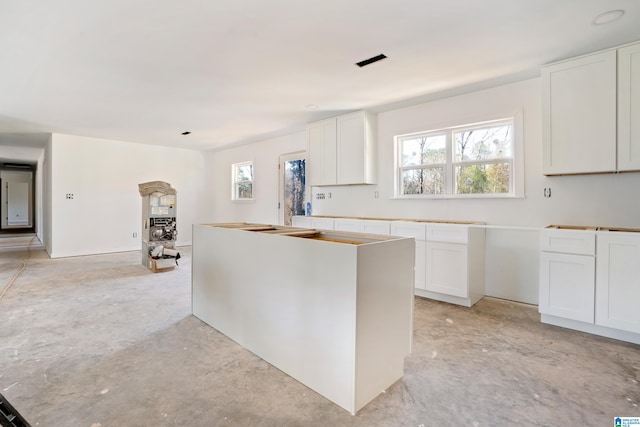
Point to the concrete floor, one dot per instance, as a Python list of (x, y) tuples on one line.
[(101, 341)]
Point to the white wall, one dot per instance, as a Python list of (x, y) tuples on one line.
[(265, 156), (103, 176), (600, 200)]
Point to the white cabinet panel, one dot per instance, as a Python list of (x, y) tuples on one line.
[(347, 224), (417, 230), (567, 286), (450, 233), (579, 115), (322, 145), (356, 148), (629, 108), (343, 150), (446, 269), (581, 242), (322, 223), (421, 265), (375, 227), (618, 281)]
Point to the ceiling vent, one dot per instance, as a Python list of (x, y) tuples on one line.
[(371, 60)]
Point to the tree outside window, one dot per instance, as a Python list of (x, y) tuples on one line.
[(462, 160), (242, 178)]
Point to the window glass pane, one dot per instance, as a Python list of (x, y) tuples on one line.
[(483, 144), (424, 150), (423, 181), (245, 190), (483, 178), (244, 172)]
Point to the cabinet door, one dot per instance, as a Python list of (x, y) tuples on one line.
[(347, 224), (355, 149), (375, 227), (446, 269), (579, 115), (629, 108), (322, 139), (618, 281), (567, 286), (322, 223)]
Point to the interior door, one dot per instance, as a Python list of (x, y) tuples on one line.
[(292, 186), (17, 203)]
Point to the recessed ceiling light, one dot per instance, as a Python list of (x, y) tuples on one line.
[(608, 17), (186, 132), (311, 107)]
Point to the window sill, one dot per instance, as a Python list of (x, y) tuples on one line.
[(460, 197), (242, 201)]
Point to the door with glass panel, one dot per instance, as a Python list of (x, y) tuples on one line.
[(292, 186)]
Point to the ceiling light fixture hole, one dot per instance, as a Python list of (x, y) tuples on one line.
[(608, 17)]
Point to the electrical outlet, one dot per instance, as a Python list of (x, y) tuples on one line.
[(69, 196), (135, 235), (320, 196), (376, 194)]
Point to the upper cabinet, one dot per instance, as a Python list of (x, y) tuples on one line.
[(342, 150), (590, 113), (579, 115), (629, 108)]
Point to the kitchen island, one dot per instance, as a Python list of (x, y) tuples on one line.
[(333, 310)]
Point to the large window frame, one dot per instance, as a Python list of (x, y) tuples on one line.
[(439, 169), (242, 182)]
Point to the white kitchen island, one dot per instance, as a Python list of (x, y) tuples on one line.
[(333, 310)]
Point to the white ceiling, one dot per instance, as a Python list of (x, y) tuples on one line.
[(236, 71)]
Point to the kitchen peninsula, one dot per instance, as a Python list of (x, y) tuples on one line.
[(331, 309)]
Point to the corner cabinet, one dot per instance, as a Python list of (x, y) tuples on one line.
[(342, 150), (591, 113)]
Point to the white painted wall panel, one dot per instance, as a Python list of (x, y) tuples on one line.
[(103, 176)]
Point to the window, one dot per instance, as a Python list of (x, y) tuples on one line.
[(471, 160), (242, 181)]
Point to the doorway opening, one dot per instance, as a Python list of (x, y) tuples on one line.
[(292, 186), (17, 198)]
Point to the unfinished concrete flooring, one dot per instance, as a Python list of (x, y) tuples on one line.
[(100, 341)]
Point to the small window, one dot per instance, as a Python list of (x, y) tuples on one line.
[(242, 179), (459, 161)]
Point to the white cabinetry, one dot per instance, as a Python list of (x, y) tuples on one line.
[(579, 115), (629, 108), (369, 226), (590, 281), (591, 113), (342, 150), (417, 230), (618, 281), (567, 273), (322, 140), (454, 266)]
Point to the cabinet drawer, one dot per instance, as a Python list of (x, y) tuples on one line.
[(322, 223), (417, 230), (375, 227), (448, 233), (346, 224), (580, 242)]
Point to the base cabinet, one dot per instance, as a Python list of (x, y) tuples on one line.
[(446, 269), (567, 285), (618, 281), (590, 281)]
